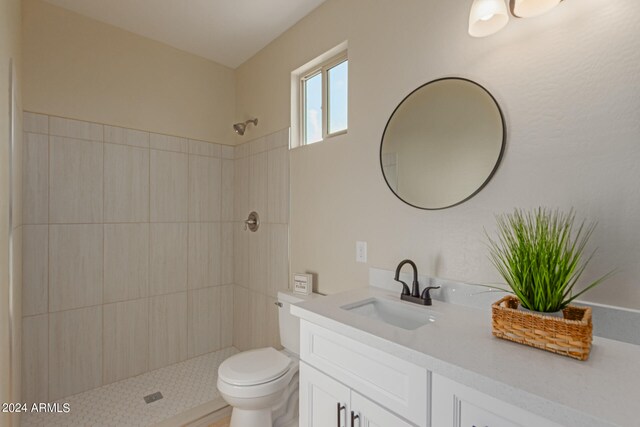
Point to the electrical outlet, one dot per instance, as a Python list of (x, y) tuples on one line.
[(361, 251)]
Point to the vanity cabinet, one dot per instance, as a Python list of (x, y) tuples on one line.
[(325, 402), (455, 405), (368, 374)]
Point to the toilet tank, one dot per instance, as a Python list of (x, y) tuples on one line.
[(290, 324)]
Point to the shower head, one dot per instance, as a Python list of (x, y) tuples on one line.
[(241, 127)]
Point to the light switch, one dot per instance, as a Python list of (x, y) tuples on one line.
[(361, 251)]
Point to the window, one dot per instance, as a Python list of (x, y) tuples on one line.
[(324, 100)]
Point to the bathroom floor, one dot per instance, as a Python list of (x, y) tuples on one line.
[(183, 386), (222, 423)]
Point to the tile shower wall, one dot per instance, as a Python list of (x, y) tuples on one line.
[(261, 258), (128, 253)]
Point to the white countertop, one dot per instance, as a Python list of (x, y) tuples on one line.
[(602, 391)]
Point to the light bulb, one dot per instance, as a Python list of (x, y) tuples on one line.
[(487, 17), (531, 8)]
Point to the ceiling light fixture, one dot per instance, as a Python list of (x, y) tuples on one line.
[(490, 16), (531, 8), (487, 17)]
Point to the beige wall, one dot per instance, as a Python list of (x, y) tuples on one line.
[(9, 363), (568, 83), (79, 68)]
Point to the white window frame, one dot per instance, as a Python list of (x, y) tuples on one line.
[(323, 70), (320, 65)]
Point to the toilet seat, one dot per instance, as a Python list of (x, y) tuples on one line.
[(252, 368)]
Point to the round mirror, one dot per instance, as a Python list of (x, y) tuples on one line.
[(442, 144)]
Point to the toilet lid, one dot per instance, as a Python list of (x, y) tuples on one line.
[(254, 367)]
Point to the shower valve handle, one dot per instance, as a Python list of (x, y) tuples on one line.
[(253, 222)]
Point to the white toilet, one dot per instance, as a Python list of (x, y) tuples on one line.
[(262, 385)]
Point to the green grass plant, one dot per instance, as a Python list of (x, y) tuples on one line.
[(539, 253)]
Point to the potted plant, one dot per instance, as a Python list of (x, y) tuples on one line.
[(540, 255)]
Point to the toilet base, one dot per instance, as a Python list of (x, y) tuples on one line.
[(253, 418)]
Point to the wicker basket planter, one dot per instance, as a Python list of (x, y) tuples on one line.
[(569, 336)]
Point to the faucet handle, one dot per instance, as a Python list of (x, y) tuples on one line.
[(425, 292), (405, 287)]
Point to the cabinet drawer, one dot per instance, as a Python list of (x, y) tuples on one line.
[(391, 382), (456, 405)]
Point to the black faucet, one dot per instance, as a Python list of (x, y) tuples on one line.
[(415, 292), (413, 296)]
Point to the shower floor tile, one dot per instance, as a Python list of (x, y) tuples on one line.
[(183, 386)]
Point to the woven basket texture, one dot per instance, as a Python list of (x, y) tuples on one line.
[(569, 336)]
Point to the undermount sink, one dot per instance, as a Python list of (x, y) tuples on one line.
[(395, 313)]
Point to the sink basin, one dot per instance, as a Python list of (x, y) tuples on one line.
[(395, 313)]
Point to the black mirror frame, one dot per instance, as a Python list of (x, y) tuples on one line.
[(498, 160)]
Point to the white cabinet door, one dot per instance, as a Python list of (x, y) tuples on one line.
[(324, 402), (456, 405), (369, 414)]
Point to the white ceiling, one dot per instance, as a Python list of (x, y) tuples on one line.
[(226, 31)]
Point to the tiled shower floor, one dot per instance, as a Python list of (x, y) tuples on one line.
[(183, 386)]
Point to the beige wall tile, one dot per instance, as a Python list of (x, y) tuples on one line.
[(226, 254), (35, 359), (259, 322), (241, 189), (255, 320), (75, 266), (17, 247), (36, 123), (241, 319), (204, 255), (241, 151), (204, 324), (75, 351), (35, 269), (203, 148), (227, 193), (227, 152), (17, 181), (240, 254), (168, 143), (278, 254), (117, 135), (258, 185), (126, 261), (35, 179), (273, 325), (169, 186), (126, 339), (75, 129), (278, 139), (126, 184), (167, 330), (226, 316), (75, 178), (168, 258), (278, 185), (259, 258), (258, 145), (205, 183)]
